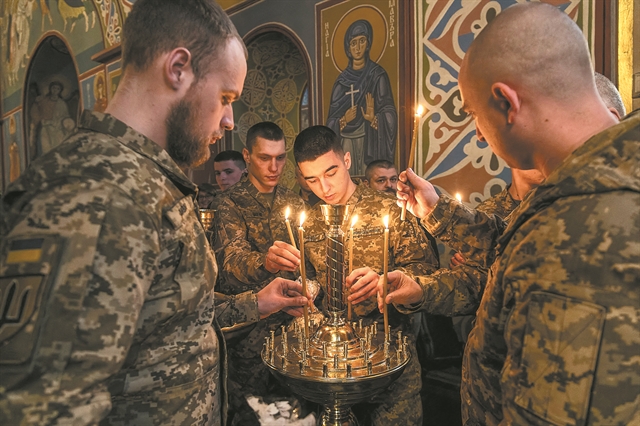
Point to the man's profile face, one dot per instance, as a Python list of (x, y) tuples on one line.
[(384, 179), (328, 177), (265, 163), (227, 173), (200, 118), (358, 46)]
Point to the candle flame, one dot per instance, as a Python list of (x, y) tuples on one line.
[(302, 218), (419, 111), (458, 197), (354, 219), (386, 221), (286, 213)]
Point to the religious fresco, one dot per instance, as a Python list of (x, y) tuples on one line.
[(274, 89), (13, 149), (453, 158), (52, 100), (94, 92), (358, 82)]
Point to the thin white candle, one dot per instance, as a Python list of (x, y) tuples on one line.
[(385, 266), (286, 220), (354, 219), (303, 276)]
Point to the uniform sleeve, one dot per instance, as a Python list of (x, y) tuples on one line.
[(472, 233), (84, 257), (410, 249), (238, 257), (237, 311)]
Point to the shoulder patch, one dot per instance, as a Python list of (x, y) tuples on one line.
[(27, 270)]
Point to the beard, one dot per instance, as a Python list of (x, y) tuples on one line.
[(187, 146)]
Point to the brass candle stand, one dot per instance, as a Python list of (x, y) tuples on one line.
[(338, 363)]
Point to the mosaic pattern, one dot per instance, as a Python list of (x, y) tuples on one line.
[(453, 158), (273, 91)]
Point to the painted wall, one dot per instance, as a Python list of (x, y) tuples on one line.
[(450, 154)]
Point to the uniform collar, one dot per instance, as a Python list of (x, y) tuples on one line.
[(107, 124)]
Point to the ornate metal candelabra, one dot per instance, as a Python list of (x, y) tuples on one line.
[(339, 363)]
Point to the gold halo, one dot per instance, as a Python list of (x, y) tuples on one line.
[(380, 38)]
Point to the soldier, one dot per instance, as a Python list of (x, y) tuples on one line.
[(106, 277), (551, 343), (229, 167), (325, 167), (381, 175), (253, 248)]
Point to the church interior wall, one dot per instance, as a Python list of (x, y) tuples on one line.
[(448, 153)]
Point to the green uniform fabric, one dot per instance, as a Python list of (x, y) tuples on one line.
[(457, 291), (410, 252), (107, 285), (557, 339), (247, 224)]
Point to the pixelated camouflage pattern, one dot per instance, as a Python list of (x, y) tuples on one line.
[(246, 226), (458, 291), (409, 251), (122, 330), (557, 339)]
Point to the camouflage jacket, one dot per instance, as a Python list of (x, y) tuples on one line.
[(556, 339), (245, 229), (458, 291), (107, 284), (409, 249)]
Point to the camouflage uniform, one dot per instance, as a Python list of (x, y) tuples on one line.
[(409, 252), (107, 287), (246, 226), (556, 339), (458, 291)]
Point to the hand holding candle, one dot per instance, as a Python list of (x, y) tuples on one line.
[(303, 275), (385, 266), (286, 220), (412, 151)]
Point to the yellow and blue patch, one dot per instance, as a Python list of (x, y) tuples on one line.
[(25, 251)]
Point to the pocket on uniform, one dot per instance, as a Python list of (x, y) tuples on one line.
[(560, 351)]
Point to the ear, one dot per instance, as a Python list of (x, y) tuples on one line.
[(347, 159), (245, 154), (615, 113), (365, 181), (178, 73), (507, 99)]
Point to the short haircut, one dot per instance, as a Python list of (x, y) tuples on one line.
[(157, 26), (377, 164), (314, 142), (232, 155), (265, 130), (609, 94)]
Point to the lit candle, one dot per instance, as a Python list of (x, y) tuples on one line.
[(303, 276), (412, 151), (286, 220), (385, 266), (354, 219), (458, 197)]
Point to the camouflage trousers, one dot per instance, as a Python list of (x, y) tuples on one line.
[(400, 404)]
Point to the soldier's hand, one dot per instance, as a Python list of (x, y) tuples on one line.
[(456, 260), (421, 197), (281, 295), (363, 283), (401, 290), (282, 257)]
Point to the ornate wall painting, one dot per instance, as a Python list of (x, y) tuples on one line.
[(452, 157), (14, 154), (114, 72), (276, 83), (94, 91), (358, 87), (52, 98)]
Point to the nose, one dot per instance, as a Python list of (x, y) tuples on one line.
[(227, 118), (324, 186), (273, 166), (479, 134)]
